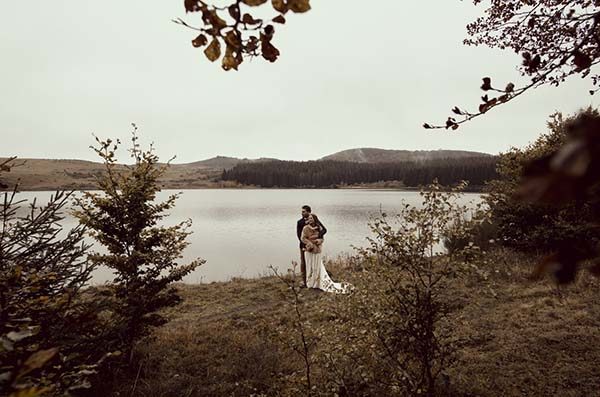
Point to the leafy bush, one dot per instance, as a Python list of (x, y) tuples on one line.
[(530, 226), (411, 276), (469, 234)]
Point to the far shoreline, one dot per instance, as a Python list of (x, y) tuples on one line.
[(474, 189)]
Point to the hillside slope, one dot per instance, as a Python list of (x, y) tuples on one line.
[(225, 163), (373, 155), (52, 174)]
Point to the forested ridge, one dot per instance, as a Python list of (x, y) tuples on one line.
[(328, 173)]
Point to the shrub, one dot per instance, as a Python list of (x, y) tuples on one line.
[(468, 234), (529, 226), (412, 276)]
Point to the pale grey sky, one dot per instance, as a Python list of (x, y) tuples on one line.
[(351, 74)]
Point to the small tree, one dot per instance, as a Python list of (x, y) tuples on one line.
[(48, 332), (142, 254)]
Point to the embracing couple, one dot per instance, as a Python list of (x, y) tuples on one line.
[(311, 233)]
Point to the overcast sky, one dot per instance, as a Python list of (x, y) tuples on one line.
[(351, 74)]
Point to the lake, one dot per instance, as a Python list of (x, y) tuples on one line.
[(242, 232)]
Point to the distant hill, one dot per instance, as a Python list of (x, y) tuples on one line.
[(372, 155), (51, 174), (226, 163), (360, 155)]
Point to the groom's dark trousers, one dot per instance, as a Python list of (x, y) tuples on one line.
[(299, 226)]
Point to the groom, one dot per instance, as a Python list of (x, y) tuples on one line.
[(306, 211)]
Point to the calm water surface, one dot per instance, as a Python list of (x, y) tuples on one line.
[(241, 233)]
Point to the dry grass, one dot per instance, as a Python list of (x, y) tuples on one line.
[(516, 337), (531, 339)]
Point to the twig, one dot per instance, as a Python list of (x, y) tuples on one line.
[(136, 379), (305, 352)]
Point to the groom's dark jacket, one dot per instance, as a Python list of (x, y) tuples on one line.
[(300, 225)]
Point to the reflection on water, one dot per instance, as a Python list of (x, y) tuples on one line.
[(242, 232)]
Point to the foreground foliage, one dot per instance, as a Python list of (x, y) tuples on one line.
[(58, 335), (556, 39), (546, 197), (243, 34), (49, 334), (403, 310)]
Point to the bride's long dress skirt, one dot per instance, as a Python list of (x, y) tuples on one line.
[(317, 276)]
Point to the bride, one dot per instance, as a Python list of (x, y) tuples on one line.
[(316, 274)]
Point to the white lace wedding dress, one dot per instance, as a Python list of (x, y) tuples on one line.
[(317, 276)]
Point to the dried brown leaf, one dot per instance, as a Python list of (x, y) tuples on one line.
[(487, 84), (249, 19), (199, 41), (279, 19), (213, 51), (280, 5), (230, 60), (299, 6), (38, 360), (268, 50), (254, 3)]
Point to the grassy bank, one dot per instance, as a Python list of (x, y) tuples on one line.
[(515, 337)]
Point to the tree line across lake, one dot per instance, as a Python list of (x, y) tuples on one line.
[(329, 173)]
